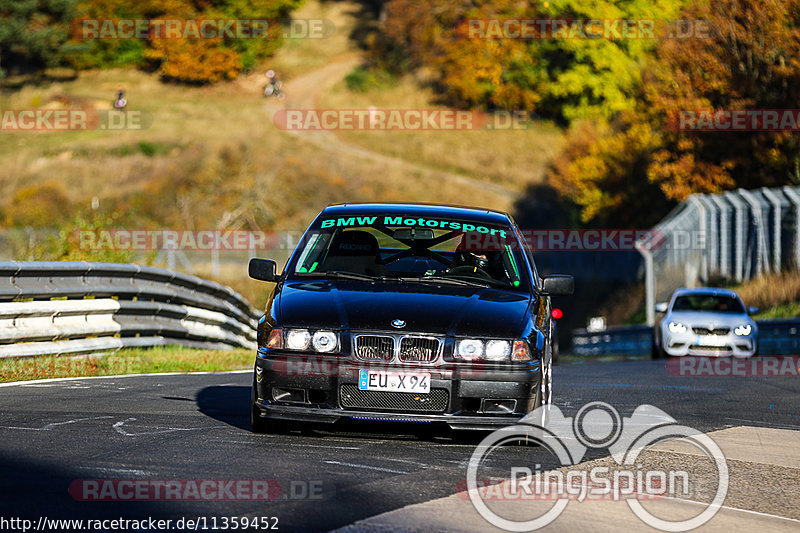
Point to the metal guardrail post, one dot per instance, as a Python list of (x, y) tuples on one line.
[(701, 207), (724, 237), (794, 198), (777, 219), (649, 283), (758, 219), (740, 234)]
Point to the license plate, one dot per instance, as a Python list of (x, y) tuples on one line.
[(382, 380), (711, 340)]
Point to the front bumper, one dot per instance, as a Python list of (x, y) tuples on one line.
[(325, 389), (681, 344)]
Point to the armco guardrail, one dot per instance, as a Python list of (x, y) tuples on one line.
[(775, 337), (735, 235), (52, 307), (615, 340)]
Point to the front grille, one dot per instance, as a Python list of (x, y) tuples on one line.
[(374, 347), (433, 402), (706, 331), (712, 348), (418, 349)]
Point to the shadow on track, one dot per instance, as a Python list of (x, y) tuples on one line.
[(227, 403), (32, 488), (231, 404)]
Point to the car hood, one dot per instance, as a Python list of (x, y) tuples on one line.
[(425, 308), (705, 319)]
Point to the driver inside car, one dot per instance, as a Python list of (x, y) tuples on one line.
[(479, 262)]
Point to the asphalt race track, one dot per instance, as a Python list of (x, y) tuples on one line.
[(196, 427)]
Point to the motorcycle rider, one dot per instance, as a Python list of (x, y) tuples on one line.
[(120, 102)]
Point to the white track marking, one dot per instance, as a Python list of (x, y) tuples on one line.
[(35, 382), (51, 425), (105, 470), (119, 429), (367, 467), (287, 444), (735, 509), (406, 461)]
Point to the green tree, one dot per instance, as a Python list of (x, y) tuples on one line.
[(751, 61), (33, 33), (562, 77)]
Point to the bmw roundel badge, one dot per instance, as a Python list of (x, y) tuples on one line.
[(397, 323)]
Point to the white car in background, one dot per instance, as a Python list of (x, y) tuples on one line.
[(706, 322)]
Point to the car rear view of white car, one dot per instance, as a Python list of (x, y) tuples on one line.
[(705, 322)]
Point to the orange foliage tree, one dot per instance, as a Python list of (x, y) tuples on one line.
[(184, 60), (194, 61), (751, 61)]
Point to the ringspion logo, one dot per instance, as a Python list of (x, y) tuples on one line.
[(596, 425)]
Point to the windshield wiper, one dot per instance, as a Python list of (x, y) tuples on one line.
[(454, 281), (341, 274)]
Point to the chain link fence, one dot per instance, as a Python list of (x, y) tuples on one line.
[(734, 236)]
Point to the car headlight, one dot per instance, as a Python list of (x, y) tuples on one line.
[(677, 327), (744, 329), (298, 339), (498, 350), (470, 349), (324, 341)]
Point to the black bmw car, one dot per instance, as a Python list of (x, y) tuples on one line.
[(405, 313)]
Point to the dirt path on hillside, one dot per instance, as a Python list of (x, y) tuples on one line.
[(303, 93)]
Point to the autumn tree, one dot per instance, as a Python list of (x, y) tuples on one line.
[(186, 60), (750, 61), (566, 77)]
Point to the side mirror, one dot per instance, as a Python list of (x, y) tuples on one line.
[(661, 307), (263, 269), (558, 285), (752, 310)]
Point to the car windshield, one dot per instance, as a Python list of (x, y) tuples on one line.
[(708, 302), (417, 249)]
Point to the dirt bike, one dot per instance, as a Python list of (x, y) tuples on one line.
[(274, 89)]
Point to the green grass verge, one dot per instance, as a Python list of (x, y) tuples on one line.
[(128, 361), (788, 310)]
